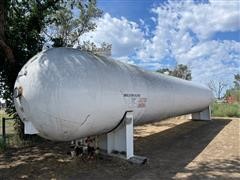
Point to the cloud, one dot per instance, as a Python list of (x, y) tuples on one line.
[(125, 59), (206, 19), (180, 25), (213, 60), (183, 32), (125, 36)]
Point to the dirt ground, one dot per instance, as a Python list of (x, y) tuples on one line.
[(176, 149)]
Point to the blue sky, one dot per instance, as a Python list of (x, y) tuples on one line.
[(133, 10), (205, 35)]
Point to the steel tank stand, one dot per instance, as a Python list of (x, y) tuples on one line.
[(120, 142)]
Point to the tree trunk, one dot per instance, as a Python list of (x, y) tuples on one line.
[(3, 45)]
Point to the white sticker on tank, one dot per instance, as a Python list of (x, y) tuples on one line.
[(135, 100)]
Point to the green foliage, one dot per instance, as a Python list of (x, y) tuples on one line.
[(65, 28), (226, 110), (24, 28), (164, 71), (23, 23), (234, 93), (104, 49), (181, 71), (236, 81)]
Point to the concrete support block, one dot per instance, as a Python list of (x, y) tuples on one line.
[(120, 140), (202, 115)]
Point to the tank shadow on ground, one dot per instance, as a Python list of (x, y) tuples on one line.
[(168, 151)]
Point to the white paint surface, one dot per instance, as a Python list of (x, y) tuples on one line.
[(69, 94)]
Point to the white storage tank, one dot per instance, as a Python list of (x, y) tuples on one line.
[(65, 94)]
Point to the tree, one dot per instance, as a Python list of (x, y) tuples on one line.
[(236, 81), (21, 23), (181, 71), (65, 28), (71, 21), (164, 71), (234, 92), (23, 28), (218, 88), (104, 49)]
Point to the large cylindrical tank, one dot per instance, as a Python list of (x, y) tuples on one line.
[(68, 94)]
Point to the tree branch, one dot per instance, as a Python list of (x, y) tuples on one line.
[(7, 51)]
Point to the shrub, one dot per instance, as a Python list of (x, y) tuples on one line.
[(226, 110)]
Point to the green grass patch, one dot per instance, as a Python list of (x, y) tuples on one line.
[(226, 110), (3, 114), (12, 138), (9, 124)]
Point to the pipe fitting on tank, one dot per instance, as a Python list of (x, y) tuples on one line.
[(18, 92)]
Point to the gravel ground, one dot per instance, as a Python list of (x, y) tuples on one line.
[(176, 149)]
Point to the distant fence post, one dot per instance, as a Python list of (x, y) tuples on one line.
[(3, 131)]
